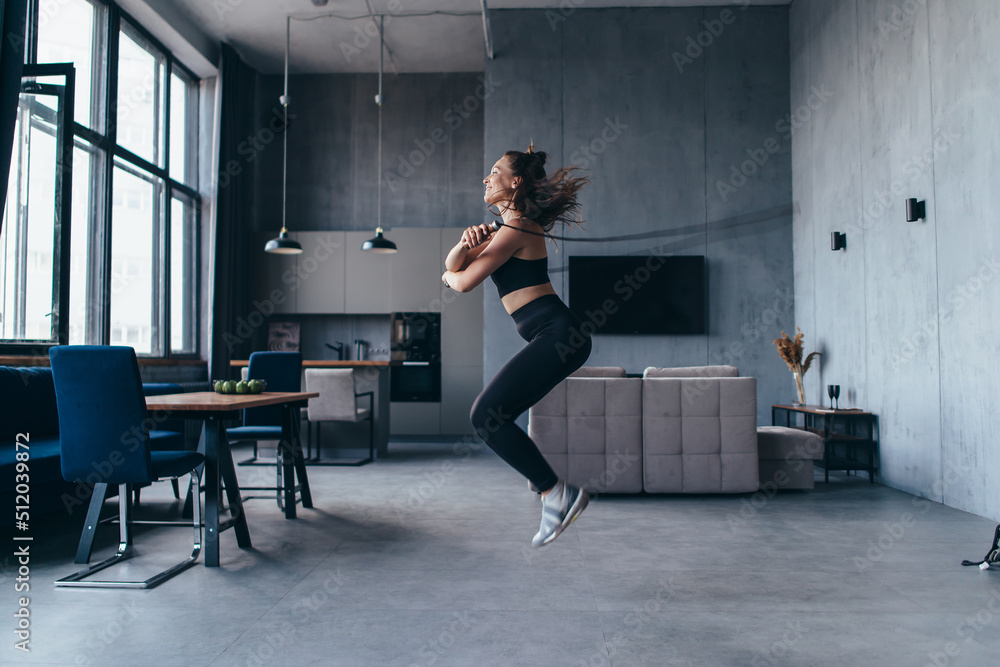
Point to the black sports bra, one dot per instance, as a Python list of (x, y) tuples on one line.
[(516, 273)]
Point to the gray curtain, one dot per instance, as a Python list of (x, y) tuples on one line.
[(234, 202), (12, 19)]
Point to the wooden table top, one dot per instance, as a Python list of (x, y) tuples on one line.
[(210, 401), (328, 363), (820, 410)]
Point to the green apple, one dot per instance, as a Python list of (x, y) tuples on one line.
[(230, 386), (220, 386), (242, 387), (256, 386)]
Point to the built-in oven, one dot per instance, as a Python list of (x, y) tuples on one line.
[(415, 381), (416, 343)]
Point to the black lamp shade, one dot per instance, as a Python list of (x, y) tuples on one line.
[(283, 245), (379, 244)]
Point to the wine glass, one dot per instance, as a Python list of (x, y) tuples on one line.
[(829, 392), (836, 394)]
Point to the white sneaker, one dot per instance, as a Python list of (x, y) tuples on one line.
[(560, 507)]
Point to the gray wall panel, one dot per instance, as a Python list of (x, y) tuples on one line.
[(637, 125), (834, 120), (525, 105), (908, 313), (965, 82), (803, 216), (748, 263), (900, 256), (430, 152), (602, 89)]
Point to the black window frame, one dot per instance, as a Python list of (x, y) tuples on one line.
[(104, 107)]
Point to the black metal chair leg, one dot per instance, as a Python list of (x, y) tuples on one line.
[(91, 522)]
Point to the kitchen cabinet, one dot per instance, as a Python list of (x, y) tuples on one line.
[(415, 419), (271, 276), (460, 385), (416, 269), (320, 274), (461, 315), (369, 277)]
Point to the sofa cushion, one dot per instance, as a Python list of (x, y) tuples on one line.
[(598, 372), (691, 372), (699, 435), (27, 403), (39, 448)]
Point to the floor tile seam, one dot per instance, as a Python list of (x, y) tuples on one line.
[(70, 605), (796, 613), (875, 576), (291, 585), (586, 572), (604, 636), (252, 624), (714, 573)]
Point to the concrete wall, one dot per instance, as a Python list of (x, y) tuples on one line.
[(431, 152), (906, 315), (661, 124)]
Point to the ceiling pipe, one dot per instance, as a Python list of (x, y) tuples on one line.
[(487, 33)]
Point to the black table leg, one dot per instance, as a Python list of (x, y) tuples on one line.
[(219, 464), (286, 451), (211, 436), (227, 467), (300, 464)]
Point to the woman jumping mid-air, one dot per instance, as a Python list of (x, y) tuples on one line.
[(528, 201)]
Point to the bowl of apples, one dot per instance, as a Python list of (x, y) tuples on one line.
[(249, 386)]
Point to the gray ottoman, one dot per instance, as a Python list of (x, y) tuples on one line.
[(785, 457)]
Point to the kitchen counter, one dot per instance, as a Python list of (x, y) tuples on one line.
[(328, 363)]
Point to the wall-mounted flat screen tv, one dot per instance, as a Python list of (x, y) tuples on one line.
[(639, 294)]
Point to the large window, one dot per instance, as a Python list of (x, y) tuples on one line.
[(132, 270)]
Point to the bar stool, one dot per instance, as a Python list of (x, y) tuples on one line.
[(337, 402)]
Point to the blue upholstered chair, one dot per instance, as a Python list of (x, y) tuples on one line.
[(168, 435), (104, 433), (282, 371)]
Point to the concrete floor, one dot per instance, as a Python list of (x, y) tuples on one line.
[(423, 558)]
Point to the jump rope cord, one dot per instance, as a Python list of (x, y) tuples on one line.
[(730, 223)]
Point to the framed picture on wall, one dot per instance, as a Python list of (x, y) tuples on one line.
[(283, 337)]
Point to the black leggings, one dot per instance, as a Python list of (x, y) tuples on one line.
[(556, 347)]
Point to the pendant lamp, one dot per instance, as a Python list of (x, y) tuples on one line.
[(379, 244), (284, 245)]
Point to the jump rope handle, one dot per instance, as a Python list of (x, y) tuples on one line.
[(493, 226)]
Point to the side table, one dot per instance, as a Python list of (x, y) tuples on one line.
[(850, 437)]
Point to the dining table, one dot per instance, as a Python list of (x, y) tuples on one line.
[(214, 410)]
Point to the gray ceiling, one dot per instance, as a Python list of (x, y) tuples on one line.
[(437, 43)]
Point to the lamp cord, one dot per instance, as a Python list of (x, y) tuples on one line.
[(378, 100), (284, 105)]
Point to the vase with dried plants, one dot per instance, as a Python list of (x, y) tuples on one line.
[(790, 350)]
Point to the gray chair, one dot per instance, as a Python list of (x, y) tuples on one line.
[(337, 402)]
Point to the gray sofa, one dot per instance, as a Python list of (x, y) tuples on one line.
[(589, 428), (690, 430)]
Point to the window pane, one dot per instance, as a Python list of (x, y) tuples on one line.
[(182, 277), (66, 35), (179, 93), (79, 306), (134, 212), (27, 238), (140, 100)]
